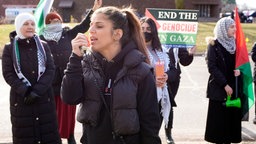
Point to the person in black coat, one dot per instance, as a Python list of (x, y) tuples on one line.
[(223, 124), (59, 40), (177, 56), (112, 82), (254, 76), (28, 68)]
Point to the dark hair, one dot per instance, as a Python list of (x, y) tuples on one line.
[(156, 44), (126, 20)]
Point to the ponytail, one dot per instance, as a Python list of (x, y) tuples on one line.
[(126, 20), (136, 31)]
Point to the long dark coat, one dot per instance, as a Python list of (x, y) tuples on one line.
[(173, 81), (223, 124), (35, 123)]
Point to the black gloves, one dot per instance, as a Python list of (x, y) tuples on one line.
[(31, 98)]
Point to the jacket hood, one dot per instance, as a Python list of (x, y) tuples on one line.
[(210, 40), (133, 58), (12, 35), (129, 55)]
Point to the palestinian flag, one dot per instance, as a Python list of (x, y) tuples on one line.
[(243, 64), (42, 9)]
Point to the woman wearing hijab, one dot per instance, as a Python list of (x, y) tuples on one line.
[(29, 70), (223, 124)]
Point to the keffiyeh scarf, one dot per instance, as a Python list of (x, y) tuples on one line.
[(52, 32), (41, 55), (162, 92)]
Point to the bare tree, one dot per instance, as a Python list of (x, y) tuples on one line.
[(179, 4)]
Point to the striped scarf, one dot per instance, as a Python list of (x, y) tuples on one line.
[(41, 55)]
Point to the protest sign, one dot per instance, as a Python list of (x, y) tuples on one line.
[(176, 28)]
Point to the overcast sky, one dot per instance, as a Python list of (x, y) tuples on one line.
[(249, 3)]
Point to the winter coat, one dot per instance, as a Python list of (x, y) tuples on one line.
[(185, 59), (220, 67), (35, 123), (132, 112), (62, 49), (223, 124)]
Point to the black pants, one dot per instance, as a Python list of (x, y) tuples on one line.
[(83, 139), (173, 89)]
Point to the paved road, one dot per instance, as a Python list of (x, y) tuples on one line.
[(189, 116)]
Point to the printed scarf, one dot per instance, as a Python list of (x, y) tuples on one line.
[(41, 56), (52, 32), (162, 92)]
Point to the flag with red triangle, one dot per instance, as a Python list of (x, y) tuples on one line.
[(243, 64)]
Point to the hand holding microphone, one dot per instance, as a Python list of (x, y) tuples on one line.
[(80, 44)]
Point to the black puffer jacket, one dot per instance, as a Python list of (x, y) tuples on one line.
[(133, 103), (35, 123)]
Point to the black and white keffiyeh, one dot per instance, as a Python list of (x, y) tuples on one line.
[(52, 32), (41, 55), (221, 34), (162, 92)]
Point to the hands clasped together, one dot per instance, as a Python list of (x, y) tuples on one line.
[(30, 98)]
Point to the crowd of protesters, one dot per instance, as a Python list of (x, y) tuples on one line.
[(119, 78)]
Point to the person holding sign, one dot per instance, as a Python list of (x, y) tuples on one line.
[(160, 61), (112, 81), (177, 32), (223, 124), (177, 56)]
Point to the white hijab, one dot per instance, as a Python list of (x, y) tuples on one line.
[(20, 20), (221, 34)]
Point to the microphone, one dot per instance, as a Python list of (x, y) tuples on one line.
[(84, 48)]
